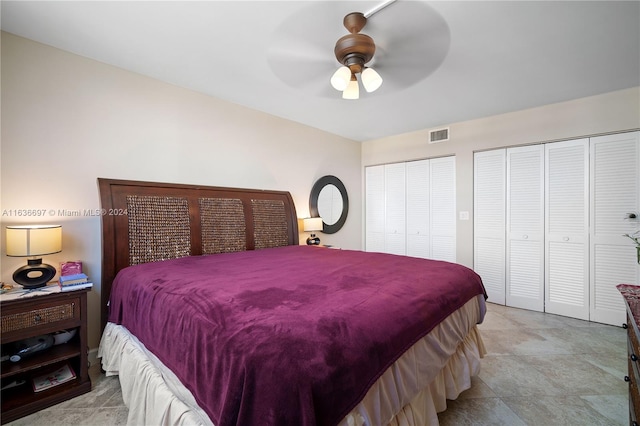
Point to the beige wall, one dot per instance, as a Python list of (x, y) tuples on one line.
[(67, 120), (607, 113)]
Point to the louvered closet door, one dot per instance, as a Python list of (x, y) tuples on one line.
[(567, 228), (374, 200), (395, 208), (525, 228), (443, 208), (489, 221), (615, 192), (418, 209)]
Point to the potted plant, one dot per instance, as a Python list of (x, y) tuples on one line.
[(636, 239)]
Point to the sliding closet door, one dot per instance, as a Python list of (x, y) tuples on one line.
[(489, 221), (385, 208), (395, 208), (374, 209), (525, 228), (615, 194), (443, 208), (411, 208), (418, 209), (567, 228)]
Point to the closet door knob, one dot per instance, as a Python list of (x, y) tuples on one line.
[(565, 238), (525, 236), (625, 326), (633, 357), (627, 379)]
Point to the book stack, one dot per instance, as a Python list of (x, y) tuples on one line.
[(74, 282)]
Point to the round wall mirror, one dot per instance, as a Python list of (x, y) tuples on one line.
[(330, 204), (329, 201)]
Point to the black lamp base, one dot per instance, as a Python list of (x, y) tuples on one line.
[(34, 274), (313, 240)]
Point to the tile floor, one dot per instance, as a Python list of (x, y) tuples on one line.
[(540, 369), (544, 369)]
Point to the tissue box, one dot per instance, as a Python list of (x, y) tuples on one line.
[(71, 268)]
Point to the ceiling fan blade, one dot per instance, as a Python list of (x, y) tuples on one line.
[(412, 41), (299, 64)]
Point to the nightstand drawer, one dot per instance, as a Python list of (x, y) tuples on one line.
[(634, 345), (44, 315)]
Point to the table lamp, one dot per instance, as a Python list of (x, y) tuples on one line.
[(311, 224), (34, 241)]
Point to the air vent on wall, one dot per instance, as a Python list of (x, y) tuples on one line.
[(439, 135)]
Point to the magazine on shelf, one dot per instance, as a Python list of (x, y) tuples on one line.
[(53, 378)]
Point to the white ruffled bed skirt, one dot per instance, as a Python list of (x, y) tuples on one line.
[(409, 393)]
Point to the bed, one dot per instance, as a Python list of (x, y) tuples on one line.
[(212, 313)]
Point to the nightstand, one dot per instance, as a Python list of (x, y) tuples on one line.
[(34, 316)]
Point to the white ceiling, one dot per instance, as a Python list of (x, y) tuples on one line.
[(442, 62)]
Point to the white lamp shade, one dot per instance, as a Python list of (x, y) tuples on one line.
[(340, 79), (352, 91), (371, 80), (312, 223), (34, 240)]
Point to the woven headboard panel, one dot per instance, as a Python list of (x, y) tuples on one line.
[(148, 222)]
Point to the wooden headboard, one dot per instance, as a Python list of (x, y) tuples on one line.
[(148, 221)]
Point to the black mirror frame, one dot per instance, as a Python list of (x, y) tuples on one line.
[(313, 202)]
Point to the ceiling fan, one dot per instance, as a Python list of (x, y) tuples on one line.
[(354, 51), (411, 41)]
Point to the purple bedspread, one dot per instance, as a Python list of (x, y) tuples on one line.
[(285, 336)]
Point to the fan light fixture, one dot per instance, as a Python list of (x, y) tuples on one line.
[(353, 51)]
